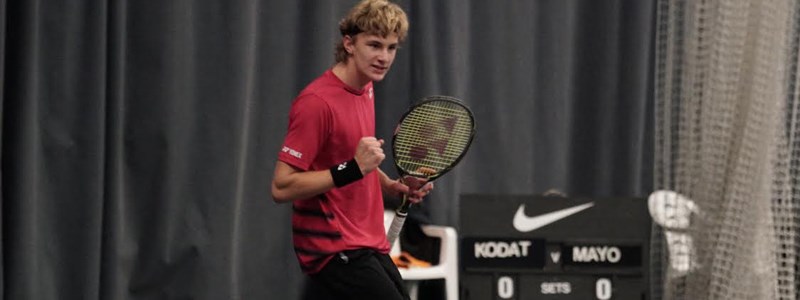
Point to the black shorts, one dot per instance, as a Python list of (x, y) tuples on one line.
[(357, 274)]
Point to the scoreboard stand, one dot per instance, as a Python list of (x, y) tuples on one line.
[(537, 247)]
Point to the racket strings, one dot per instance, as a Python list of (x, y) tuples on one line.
[(432, 138), (446, 152)]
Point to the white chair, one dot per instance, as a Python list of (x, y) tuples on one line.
[(446, 269)]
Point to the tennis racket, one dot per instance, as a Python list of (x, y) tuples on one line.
[(430, 139)]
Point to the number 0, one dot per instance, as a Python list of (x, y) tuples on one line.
[(602, 289), (505, 287)]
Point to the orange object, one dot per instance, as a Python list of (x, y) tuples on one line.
[(406, 260), (399, 262)]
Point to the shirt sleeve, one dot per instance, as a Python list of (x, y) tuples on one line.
[(309, 127)]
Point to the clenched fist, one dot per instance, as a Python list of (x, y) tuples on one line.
[(369, 154)]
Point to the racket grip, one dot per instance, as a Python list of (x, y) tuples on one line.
[(397, 225)]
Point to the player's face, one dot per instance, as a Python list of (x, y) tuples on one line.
[(373, 55)]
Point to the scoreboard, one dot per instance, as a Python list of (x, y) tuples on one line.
[(537, 247)]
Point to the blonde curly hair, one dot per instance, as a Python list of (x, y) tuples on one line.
[(378, 17)]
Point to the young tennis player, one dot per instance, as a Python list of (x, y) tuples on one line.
[(328, 167)]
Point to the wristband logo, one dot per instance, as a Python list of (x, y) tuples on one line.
[(341, 166)]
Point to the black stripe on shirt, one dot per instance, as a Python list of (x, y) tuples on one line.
[(322, 234)]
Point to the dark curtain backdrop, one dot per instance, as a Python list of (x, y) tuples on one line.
[(139, 137)]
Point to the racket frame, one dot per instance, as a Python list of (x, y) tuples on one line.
[(402, 211)]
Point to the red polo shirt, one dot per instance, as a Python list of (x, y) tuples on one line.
[(326, 122)]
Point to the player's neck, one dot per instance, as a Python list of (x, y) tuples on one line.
[(348, 73)]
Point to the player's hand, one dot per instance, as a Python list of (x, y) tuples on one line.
[(415, 188), (369, 154)]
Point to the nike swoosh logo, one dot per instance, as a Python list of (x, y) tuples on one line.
[(524, 223)]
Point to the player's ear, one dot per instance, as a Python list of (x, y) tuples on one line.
[(349, 43)]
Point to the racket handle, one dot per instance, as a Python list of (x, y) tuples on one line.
[(397, 225)]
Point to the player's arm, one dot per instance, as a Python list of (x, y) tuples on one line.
[(290, 183), (391, 187), (416, 189)]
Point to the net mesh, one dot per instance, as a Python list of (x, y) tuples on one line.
[(432, 137), (728, 142)]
